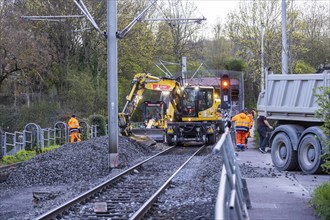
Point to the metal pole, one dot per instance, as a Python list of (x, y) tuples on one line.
[(243, 92), (266, 93), (284, 43), (112, 83), (262, 58), (184, 69)]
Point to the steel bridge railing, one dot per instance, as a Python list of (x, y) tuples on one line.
[(232, 193)]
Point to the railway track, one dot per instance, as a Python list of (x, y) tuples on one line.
[(130, 194), (7, 169)]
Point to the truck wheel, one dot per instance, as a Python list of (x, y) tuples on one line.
[(175, 140), (283, 155), (309, 155), (211, 139), (169, 139)]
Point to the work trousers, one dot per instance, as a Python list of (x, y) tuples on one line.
[(262, 130), (75, 135), (240, 138)]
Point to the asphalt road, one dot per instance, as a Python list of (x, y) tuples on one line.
[(286, 196)]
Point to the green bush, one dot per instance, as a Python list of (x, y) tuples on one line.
[(302, 67), (43, 113), (98, 120), (84, 94), (323, 100), (9, 159), (20, 156), (46, 149), (24, 155), (321, 200), (235, 65)]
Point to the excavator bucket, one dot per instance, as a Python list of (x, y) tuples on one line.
[(143, 139), (156, 134)]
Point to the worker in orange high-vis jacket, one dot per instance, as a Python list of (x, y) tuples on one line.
[(242, 123), (74, 129), (250, 126)]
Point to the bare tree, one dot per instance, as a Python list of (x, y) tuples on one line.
[(23, 53), (316, 22), (183, 31), (244, 28)]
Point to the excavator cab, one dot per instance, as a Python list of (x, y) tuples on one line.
[(198, 118), (189, 102), (195, 101), (154, 114), (139, 84)]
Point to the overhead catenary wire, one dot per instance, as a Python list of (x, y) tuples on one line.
[(196, 71), (89, 15), (161, 62), (85, 11), (121, 34), (168, 74), (51, 17), (80, 5)]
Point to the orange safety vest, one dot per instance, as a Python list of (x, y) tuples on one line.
[(242, 122), (251, 120), (73, 124)]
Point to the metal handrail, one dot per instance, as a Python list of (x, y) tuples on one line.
[(230, 193), (21, 140), (50, 135)]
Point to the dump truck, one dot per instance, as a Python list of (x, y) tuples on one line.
[(289, 100)]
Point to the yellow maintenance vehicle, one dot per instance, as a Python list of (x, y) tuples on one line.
[(198, 120), (140, 83), (192, 112)]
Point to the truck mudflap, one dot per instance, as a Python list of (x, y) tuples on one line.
[(156, 134)]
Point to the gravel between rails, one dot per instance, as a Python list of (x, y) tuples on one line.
[(64, 173)]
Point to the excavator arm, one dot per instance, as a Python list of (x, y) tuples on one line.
[(140, 83)]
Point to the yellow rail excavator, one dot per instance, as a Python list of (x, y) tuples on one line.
[(199, 118), (187, 113), (155, 113)]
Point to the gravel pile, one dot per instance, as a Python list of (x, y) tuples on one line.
[(55, 177), (193, 192), (249, 171), (74, 168), (75, 162)]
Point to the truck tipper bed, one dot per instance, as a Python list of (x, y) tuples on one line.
[(290, 101)]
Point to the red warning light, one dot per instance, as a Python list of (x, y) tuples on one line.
[(225, 82)]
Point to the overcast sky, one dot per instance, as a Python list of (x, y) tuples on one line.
[(215, 9)]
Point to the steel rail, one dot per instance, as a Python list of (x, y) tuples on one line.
[(10, 166), (146, 206), (6, 170), (62, 208)]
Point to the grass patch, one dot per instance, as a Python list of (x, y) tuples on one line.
[(321, 200), (24, 155), (46, 149)]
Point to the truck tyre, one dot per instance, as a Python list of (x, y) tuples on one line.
[(283, 155), (169, 139), (309, 155), (175, 139), (211, 139)]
